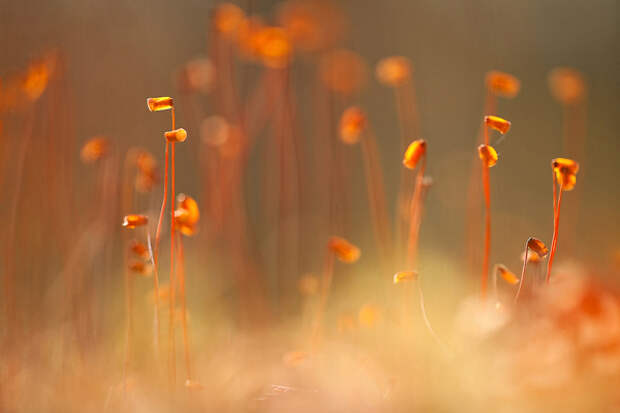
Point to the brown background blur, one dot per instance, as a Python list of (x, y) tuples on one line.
[(121, 51)]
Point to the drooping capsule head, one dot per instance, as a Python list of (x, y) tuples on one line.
[(352, 124), (507, 275), (393, 71), (502, 84), (567, 85), (186, 215), (94, 149), (488, 155), (135, 220), (565, 172), (405, 276), (343, 249), (497, 123), (415, 151), (160, 103), (177, 135), (537, 246)]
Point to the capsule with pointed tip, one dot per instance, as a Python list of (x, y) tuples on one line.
[(405, 276), (537, 246), (393, 71), (160, 103), (488, 155), (497, 123), (565, 172), (177, 135), (135, 220), (343, 249), (415, 151), (352, 124), (94, 149), (502, 84), (507, 275)]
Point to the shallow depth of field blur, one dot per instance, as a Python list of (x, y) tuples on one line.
[(267, 311)]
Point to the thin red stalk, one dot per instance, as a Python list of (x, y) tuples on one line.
[(556, 227), (522, 271), (487, 235), (171, 342)]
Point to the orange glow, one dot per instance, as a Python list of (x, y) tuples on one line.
[(415, 151), (249, 37), (94, 149), (405, 276), (497, 123), (343, 71), (369, 315), (352, 124), (133, 221), (36, 79), (198, 75), (140, 267), (227, 18), (177, 135), (193, 385), (488, 155), (567, 85), (308, 285), (275, 47), (186, 215), (214, 130), (538, 247), (507, 275), (502, 84), (139, 249), (159, 104), (343, 249), (393, 71), (295, 357)]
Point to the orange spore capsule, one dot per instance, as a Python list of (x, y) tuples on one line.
[(186, 215), (405, 276), (227, 18), (352, 124), (538, 247), (36, 79), (140, 267), (532, 257), (497, 123), (275, 47), (343, 249), (177, 135), (249, 37), (415, 151), (139, 249), (565, 172), (507, 275), (393, 71), (133, 221), (94, 149), (488, 155), (160, 103), (567, 85), (502, 84), (343, 71)]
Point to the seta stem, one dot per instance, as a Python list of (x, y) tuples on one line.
[(556, 227), (487, 235), (181, 276), (522, 271)]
